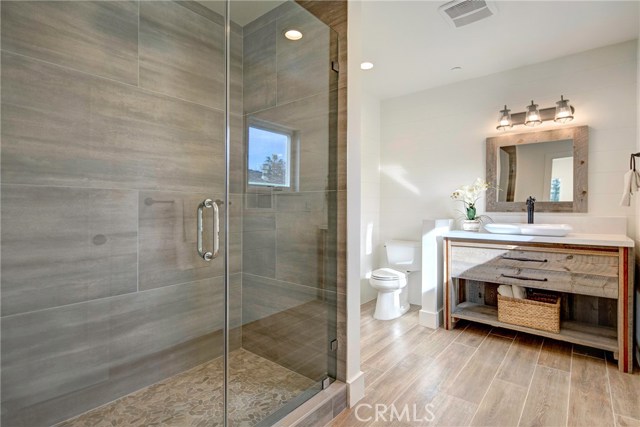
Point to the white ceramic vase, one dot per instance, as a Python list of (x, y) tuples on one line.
[(471, 225)]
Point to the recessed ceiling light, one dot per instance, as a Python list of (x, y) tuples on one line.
[(456, 68), (293, 34), (366, 66)]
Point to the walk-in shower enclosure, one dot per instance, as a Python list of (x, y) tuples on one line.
[(168, 211)]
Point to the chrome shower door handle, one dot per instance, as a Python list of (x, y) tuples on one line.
[(206, 255), (216, 228)]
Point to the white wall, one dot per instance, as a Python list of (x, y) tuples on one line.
[(370, 250), (434, 141), (355, 377)]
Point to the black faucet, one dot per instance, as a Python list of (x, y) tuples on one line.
[(531, 201)]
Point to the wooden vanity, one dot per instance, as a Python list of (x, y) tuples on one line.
[(593, 274)]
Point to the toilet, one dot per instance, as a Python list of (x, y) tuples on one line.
[(404, 257)]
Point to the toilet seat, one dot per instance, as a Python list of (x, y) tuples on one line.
[(385, 274)]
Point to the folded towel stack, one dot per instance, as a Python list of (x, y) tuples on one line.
[(512, 291)]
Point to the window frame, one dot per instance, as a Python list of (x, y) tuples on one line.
[(292, 161)]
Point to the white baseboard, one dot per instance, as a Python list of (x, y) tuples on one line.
[(355, 389), (430, 319)]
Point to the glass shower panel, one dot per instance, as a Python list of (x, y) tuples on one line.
[(282, 183), (113, 135)]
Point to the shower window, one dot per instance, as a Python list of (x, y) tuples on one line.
[(271, 156)]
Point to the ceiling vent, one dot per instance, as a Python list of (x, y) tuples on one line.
[(459, 13)]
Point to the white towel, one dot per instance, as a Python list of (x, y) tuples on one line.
[(505, 291), (518, 292), (631, 184)]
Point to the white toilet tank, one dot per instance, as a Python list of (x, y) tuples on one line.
[(404, 255)]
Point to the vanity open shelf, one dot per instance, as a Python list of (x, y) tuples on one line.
[(603, 337), (592, 274)]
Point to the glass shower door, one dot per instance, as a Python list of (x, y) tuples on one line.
[(113, 136), (283, 184)]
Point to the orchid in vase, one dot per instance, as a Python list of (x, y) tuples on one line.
[(469, 196)]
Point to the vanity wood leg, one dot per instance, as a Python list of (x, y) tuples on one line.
[(625, 311)]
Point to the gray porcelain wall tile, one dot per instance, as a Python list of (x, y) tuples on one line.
[(260, 262), (237, 155), (168, 239), (303, 65), (262, 297), (159, 319), (258, 240), (68, 129), (284, 9), (235, 208), (298, 259), (99, 38), (302, 202), (59, 362), (260, 72), (210, 9), (236, 76), (255, 220), (66, 245), (235, 300), (294, 336), (181, 53), (235, 253)]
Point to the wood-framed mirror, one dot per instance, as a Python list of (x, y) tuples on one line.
[(550, 165)]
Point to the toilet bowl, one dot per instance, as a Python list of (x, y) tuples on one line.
[(393, 298), (391, 283)]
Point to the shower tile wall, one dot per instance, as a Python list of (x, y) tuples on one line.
[(285, 258), (112, 131)]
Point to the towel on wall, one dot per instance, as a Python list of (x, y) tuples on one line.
[(631, 182)]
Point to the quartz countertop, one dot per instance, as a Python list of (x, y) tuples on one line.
[(618, 240)]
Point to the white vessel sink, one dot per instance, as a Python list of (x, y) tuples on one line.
[(557, 230), (498, 228)]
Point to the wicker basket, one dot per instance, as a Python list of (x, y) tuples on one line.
[(543, 315)]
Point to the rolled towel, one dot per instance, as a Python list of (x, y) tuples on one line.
[(505, 291), (519, 292)]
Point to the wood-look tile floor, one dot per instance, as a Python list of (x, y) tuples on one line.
[(476, 375)]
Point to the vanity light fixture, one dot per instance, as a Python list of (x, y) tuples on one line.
[(505, 122), (562, 113), (533, 115), (293, 34), (366, 66)]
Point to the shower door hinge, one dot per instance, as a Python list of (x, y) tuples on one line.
[(335, 66), (334, 345), (326, 383)]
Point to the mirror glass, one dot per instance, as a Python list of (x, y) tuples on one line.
[(550, 165), (543, 170)]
